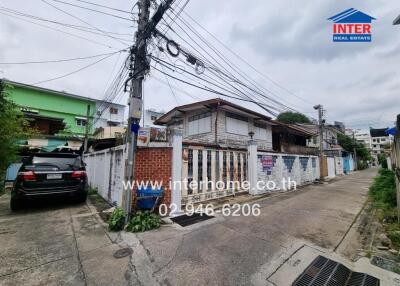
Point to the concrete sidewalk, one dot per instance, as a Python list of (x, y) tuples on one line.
[(65, 244), (256, 250)]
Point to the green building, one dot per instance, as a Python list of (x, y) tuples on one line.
[(51, 109), (60, 117)]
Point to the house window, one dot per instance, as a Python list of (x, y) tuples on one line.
[(260, 132), (153, 118), (237, 124), (80, 122), (113, 110), (200, 123)]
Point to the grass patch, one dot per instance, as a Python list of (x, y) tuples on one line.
[(92, 191), (383, 189), (383, 193)]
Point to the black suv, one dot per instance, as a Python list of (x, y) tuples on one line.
[(50, 174)]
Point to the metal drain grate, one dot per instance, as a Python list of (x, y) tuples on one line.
[(323, 271)]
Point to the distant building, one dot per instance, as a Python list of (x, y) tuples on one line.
[(329, 141), (150, 116), (379, 141), (340, 125)]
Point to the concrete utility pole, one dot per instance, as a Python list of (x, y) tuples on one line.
[(320, 109), (85, 146), (138, 55), (355, 152)]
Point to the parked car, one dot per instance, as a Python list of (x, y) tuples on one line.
[(49, 174)]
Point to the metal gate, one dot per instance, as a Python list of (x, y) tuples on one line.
[(212, 173)]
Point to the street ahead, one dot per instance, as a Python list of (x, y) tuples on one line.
[(67, 244)]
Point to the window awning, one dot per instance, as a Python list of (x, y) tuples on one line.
[(391, 131)]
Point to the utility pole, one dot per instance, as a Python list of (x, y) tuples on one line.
[(85, 146), (136, 76), (355, 152), (320, 109)]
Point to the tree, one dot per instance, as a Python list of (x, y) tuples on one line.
[(292, 117), (349, 144), (13, 127)]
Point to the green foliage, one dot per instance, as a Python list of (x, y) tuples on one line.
[(383, 189), (349, 144), (13, 127), (393, 233), (116, 221), (143, 221), (92, 191), (382, 161), (292, 117)]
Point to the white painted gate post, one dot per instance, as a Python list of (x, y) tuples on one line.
[(176, 177), (252, 167)]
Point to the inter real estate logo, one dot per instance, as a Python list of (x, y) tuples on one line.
[(352, 26)]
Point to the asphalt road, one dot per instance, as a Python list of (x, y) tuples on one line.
[(67, 244), (243, 250)]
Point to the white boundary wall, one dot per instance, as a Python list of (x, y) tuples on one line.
[(105, 172), (302, 169)]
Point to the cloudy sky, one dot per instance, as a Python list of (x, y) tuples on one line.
[(289, 42)]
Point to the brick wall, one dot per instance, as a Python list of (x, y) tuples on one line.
[(155, 164)]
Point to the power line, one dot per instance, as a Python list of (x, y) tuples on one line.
[(58, 30), (213, 91), (83, 21), (244, 60), (230, 76), (230, 64), (58, 61), (211, 65), (93, 10), (77, 27), (76, 71), (163, 63), (103, 6)]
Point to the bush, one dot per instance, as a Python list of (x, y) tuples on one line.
[(143, 221), (383, 189), (116, 221)]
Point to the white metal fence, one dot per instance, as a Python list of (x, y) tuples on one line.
[(105, 170), (208, 173)]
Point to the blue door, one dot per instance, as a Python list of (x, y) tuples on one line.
[(346, 165)]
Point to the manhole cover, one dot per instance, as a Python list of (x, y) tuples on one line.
[(123, 252), (323, 271)]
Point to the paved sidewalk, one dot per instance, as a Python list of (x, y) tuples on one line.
[(65, 244)]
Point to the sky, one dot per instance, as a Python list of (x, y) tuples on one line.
[(288, 42)]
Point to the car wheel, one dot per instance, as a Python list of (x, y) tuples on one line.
[(81, 197), (15, 204)]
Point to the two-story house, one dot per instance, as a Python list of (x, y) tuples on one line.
[(219, 123)]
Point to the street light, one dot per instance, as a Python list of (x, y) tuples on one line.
[(397, 21)]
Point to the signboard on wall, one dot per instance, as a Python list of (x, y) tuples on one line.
[(267, 163), (143, 137)]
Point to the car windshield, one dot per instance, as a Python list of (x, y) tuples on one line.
[(55, 163)]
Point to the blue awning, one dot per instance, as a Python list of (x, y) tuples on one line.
[(391, 131)]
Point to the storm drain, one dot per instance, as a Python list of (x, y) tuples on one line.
[(323, 271), (185, 220)]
